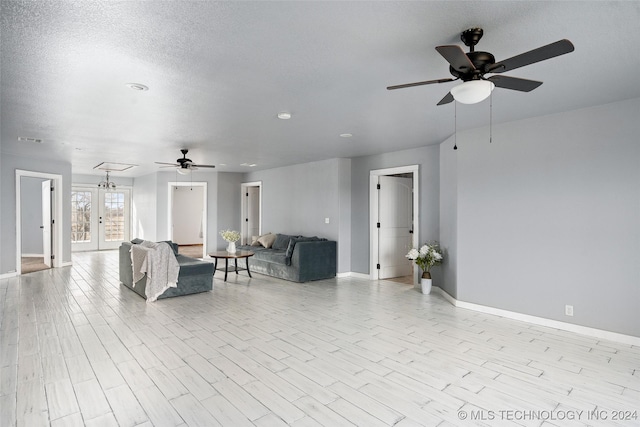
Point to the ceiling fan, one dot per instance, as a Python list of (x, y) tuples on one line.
[(471, 68), (184, 165)]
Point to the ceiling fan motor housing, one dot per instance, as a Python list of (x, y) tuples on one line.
[(480, 60)]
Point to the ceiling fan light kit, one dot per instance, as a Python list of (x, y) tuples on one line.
[(473, 91)]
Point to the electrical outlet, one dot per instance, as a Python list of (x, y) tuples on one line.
[(568, 310)]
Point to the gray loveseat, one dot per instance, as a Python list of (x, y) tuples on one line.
[(195, 275), (295, 258)]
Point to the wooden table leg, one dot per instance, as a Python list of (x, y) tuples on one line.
[(236, 261), (226, 267), (248, 271)]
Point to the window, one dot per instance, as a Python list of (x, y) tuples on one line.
[(80, 216)]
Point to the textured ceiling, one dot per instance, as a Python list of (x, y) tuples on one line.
[(219, 72)]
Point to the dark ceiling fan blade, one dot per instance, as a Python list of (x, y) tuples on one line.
[(515, 83), (428, 82), (202, 166), (536, 55), (447, 99), (456, 57), (168, 164)]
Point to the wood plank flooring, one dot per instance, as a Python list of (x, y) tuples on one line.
[(77, 348)]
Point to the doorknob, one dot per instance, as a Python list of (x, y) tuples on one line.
[(42, 226)]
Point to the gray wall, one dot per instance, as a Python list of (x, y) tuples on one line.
[(93, 180), (428, 159), (31, 212), (297, 199), (449, 216), (547, 215), (145, 207), (10, 163), (150, 204), (228, 205)]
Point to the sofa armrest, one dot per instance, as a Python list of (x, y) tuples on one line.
[(315, 259)]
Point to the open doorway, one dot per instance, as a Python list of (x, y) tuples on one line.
[(251, 211), (394, 222), (188, 217), (38, 235)]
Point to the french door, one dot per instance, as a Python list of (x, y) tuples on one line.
[(100, 219)]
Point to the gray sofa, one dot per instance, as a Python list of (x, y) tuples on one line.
[(295, 258), (195, 275)]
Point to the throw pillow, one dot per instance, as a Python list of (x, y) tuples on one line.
[(137, 241), (267, 240), (282, 242)]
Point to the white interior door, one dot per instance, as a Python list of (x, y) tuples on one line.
[(253, 211), (251, 215), (113, 218), (395, 215), (46, 221)]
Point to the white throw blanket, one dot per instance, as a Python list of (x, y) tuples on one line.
[(159, 263)]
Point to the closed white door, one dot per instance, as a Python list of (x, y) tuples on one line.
[(100, 219), (46, 221), (395, 213), (113, 220)]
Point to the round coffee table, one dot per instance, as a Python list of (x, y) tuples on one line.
[(227, 256)]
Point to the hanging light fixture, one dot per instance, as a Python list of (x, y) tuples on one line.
[(472, 91), (183, 171), (107, 185)]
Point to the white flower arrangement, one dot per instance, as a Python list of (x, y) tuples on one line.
[(230, 235), (427, 256)]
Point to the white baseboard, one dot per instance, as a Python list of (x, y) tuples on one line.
[(556, 324), (66, 264), (354, 274), (8, 275), (32, 255)]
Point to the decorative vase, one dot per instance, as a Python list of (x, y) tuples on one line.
[(425, 282), (231, 248)]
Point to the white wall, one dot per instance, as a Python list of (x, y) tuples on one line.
[(187, 215), (548, 215)]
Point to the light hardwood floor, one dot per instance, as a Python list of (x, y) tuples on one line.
[(77, 348)]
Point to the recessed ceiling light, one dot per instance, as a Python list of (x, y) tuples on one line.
[(284, 115), (223, 164), (137, 86), (28, 139), (251, 165), (346, 135)]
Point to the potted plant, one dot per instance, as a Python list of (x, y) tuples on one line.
[(231, 236), (426, 257)]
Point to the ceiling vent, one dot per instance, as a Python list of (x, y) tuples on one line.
[(27, 139)]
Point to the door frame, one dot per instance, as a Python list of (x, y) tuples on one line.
[(373, 213), (205, 220), (56, 228), (244, 207)]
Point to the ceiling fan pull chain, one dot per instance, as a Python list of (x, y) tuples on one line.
[(455, 125), (491, 118)]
